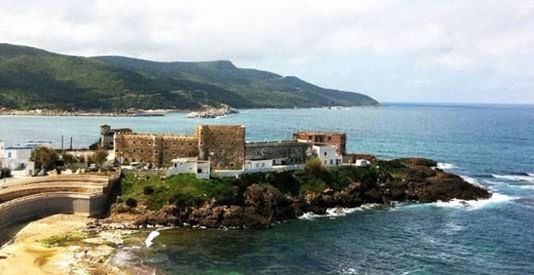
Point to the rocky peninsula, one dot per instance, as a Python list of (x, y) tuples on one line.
[(213, 112), (261, 199)]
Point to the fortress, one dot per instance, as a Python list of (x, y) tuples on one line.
[(222, 145)]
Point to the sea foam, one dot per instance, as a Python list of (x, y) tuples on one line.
[(446, 166), (474, 204), (336, 212), (151, 237), (529, 178)]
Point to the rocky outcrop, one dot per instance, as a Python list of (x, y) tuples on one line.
[(263, 204)]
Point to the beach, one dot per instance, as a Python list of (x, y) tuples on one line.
[(42, 247)]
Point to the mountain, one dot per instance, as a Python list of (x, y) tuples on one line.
[(34, 78)]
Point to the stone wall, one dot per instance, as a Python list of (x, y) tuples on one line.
[(223, 145), (286, 152), (157, 150)]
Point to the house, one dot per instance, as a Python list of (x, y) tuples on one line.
[(200, 168), (337, 139), (327, 154), (17, 157)]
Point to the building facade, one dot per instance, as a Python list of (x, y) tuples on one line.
[(337, 139), (328, 155), (222, 145), (107, 135), (286, 152), (200, 168)]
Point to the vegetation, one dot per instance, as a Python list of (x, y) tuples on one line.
[(5, 173), (99, 157), (33, 78), (186, 190), (44, 158)]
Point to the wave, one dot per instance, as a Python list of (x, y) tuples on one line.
[(336, 212), (527, 178), (474, 204), (151, 237), (472, 181), (446, 166)]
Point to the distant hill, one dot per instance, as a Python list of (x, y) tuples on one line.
[(33, 78)]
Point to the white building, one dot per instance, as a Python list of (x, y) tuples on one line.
[(328, 155), (362, 162), (17, 157), (200, 168), (259, 165)]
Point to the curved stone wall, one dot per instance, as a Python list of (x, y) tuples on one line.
[(42, 196)]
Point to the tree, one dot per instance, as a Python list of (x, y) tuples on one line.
[(69, 159), (314, 166), (100, 156), (44, 157)]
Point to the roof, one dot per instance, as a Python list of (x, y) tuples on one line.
[(32, 144)]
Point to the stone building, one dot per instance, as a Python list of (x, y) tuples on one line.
[(107, 134), (286, 152), (222, 145), (338, 139)]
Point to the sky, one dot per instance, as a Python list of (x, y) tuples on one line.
[(476, 51)]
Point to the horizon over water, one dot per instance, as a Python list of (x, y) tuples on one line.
[(488, 144)]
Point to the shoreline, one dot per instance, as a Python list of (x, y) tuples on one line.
[(60, 244)]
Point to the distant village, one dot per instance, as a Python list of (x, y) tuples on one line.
[(210, 151)]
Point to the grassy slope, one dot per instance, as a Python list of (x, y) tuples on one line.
[(261, 88), (34, 78)]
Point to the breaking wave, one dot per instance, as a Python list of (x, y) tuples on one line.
[(472, 181), (336, 212), (151, 237), (474, 204), (446, 166), (525, 177)]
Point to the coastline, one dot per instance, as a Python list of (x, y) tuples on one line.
[(61, 244)]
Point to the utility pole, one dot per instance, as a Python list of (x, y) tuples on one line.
[(70, 144), (61, 143)]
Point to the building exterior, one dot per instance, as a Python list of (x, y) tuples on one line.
[(328, 155), (337, 139), (200, 168), (222, 145), (286, 152), (107, 134), (17, 157), (1, 150)]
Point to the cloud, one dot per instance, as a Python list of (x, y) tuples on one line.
[(438, 39)]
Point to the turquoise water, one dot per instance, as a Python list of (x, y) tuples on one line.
[(492, 145)]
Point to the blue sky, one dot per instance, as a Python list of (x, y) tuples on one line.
[(410, 51)]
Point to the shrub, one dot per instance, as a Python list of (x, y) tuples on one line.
[(314, 166), (131, 202), (148, 190)]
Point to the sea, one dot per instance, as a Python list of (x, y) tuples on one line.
[(489, 145)]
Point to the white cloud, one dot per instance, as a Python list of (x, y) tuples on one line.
[(435, 38)]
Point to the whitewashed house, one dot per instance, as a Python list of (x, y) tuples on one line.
[(328, 155), (362, 163), (200, 168), (17, 157)]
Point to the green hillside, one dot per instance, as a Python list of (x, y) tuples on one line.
[(33, 78)]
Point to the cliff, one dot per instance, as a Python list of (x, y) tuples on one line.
[(259, 200)]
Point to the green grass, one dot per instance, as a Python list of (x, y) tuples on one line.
[(181, 189)]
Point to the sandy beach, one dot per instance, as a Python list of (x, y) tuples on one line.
[(33, 251)]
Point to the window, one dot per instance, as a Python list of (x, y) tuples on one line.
[(232, 164), (329, 138), (257, 165), (325, 153), (9, 155), (331, 162), (199, 171)]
